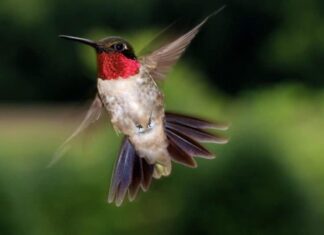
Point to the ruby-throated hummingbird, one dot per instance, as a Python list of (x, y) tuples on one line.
[(154, 138)]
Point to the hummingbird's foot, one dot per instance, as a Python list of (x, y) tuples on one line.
[(161, 170)]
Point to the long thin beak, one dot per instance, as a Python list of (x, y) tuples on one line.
[(81, 40)]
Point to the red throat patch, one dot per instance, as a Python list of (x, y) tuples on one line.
[(116, 65)]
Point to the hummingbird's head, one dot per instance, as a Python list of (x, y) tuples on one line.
[(115, 57)]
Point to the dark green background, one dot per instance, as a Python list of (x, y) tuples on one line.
[(258, 65)]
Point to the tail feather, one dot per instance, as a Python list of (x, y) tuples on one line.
[(123, 174), (194, 122), (183, 133), (142, 177), (180, 156), (136, 178), (130, 173), (188, 145), (147, 175), (197, 134)]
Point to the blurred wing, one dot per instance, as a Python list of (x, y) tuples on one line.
[(92, 115), (160, 61)]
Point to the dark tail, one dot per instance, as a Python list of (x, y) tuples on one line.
[(131, 172), (184, 134)]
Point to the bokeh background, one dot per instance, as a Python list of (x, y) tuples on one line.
[(258, 64)]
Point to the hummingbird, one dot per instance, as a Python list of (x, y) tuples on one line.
[(153, 138)]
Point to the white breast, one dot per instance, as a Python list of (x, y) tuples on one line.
[(128, 101)]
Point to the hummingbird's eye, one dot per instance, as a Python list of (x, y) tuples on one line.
[(119, 47)]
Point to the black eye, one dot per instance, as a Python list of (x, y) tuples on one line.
[(119, 46)]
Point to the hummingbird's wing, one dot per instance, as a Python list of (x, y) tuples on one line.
[(160, 61), (92, 115)]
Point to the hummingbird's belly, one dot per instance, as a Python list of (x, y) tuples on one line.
[(136, 109), (131, 102)]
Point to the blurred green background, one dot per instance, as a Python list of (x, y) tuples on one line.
[(258, 64)]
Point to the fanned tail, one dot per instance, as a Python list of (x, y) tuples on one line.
[(131, 172), (183, 133)]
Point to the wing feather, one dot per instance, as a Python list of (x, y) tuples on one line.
[(161, 60), (92, 115)]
